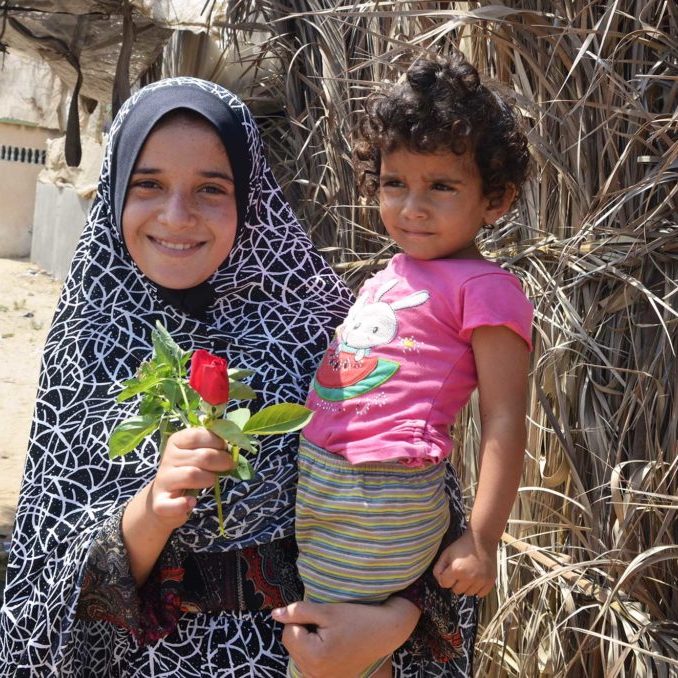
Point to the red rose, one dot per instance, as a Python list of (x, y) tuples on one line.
[(209, 377)]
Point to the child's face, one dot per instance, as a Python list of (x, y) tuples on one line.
[(179, 220), (433, 205)]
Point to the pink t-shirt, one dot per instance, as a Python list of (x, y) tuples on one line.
[(402, 365)]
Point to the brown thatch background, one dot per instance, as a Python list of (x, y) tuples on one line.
[(589, 563)]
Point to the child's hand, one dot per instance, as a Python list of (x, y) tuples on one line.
[(467, 566)]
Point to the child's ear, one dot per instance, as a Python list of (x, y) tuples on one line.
[(499, 205)]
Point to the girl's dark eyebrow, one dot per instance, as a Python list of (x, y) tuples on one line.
[(208, 174), (212, 174), (145, 170)]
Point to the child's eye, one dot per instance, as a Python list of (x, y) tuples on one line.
[(443, 187), (391, 183)]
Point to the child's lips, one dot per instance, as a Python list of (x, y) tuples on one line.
[(416, 234)]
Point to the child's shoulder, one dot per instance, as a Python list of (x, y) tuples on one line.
[(442, 271), (454, 279)]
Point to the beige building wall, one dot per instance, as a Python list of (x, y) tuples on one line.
[(33, 103), (22, 157)]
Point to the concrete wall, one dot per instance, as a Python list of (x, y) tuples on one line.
[(60, 215), (20, 147)]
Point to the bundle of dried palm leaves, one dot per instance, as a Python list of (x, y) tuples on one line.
[(589, 563)]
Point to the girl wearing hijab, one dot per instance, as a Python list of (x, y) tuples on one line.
[(114, 569)]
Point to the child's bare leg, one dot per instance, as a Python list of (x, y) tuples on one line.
[(384, 671)]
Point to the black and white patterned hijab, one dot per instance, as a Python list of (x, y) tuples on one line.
[(271, 306)]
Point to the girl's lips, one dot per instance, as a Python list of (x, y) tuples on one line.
[(175, 248)]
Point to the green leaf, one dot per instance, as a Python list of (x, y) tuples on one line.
[(281, 418), (172, 390), (237, 374), (152, 406), (148, 376), (185, 358), (127, 435), (240, 391), (239, 417), (231, 433), (166, 350), (243, 470), (153, 368), (135, 386)]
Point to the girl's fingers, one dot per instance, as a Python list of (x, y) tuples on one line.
[(192, 438), (218, 461), (167, 504), (176, 479), (172, 507), (301, 613), (208, 458), (464, 589)]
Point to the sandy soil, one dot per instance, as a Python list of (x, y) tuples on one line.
[(29, 296)]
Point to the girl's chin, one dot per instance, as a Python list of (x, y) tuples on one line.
[(172, 281)]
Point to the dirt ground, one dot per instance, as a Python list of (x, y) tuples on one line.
[(29, 297)]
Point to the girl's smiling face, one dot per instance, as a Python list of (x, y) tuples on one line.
[(432, 204), (179, 219)]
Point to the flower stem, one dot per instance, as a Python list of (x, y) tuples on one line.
[(220, 512), (184, 419), (183, 395)]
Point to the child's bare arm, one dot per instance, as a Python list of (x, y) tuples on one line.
[(468, 566)]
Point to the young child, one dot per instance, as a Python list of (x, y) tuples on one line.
[(436, 323)]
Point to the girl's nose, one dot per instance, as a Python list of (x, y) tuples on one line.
[(177, 212)]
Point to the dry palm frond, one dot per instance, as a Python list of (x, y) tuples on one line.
[(589, 564)]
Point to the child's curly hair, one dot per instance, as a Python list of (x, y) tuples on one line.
[(442, 106)]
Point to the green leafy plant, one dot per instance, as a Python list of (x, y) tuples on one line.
[(174, 397)]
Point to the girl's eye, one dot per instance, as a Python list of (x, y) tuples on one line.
[(144, 183), (443, 187), (212, 190)]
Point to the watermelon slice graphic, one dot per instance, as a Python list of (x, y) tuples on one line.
[(340, 376)]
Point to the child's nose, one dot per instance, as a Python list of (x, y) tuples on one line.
[(414, 206)]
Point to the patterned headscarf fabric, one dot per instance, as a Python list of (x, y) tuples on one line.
[(269, 307)]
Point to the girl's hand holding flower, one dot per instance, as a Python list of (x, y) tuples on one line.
[(192, 460)]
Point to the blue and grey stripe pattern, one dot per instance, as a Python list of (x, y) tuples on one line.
[(365, 531)]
